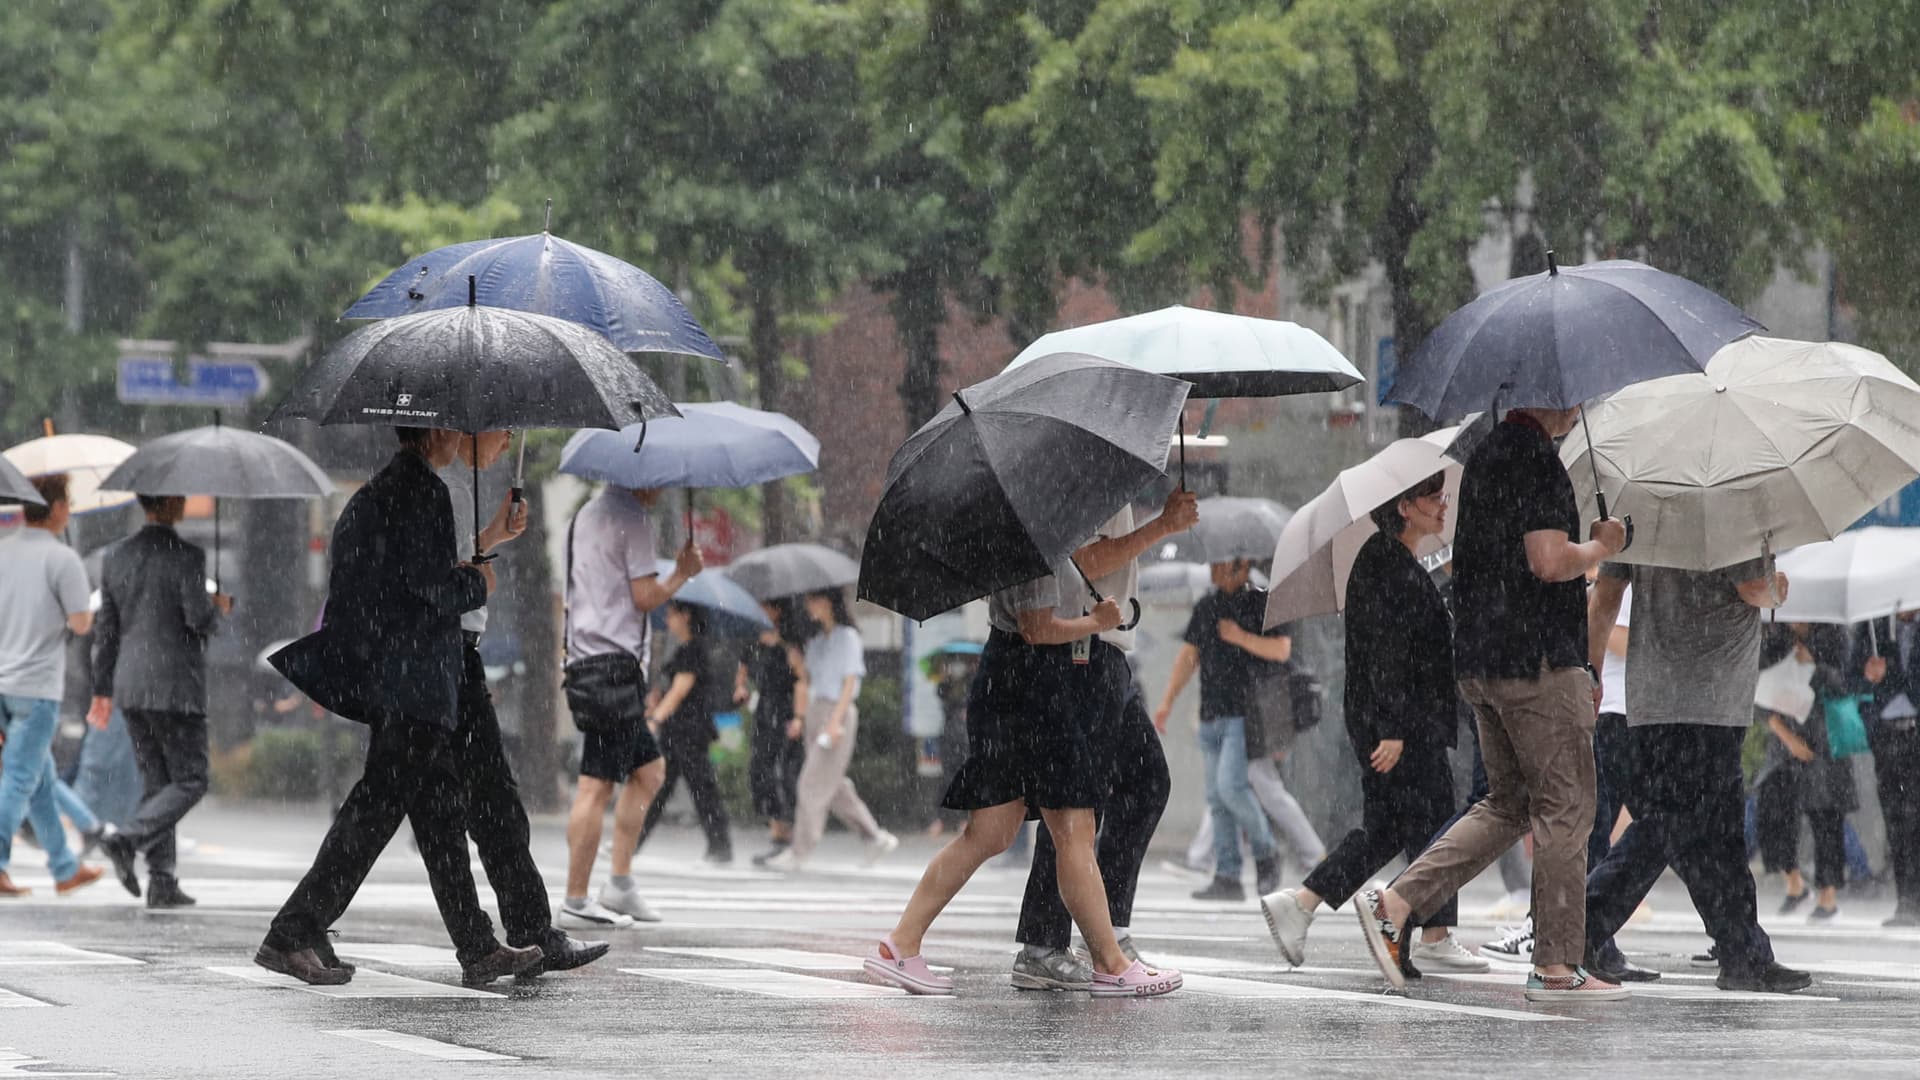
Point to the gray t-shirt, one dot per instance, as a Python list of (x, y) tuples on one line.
[(459, 480), (830, 659), (1694, 654), (42, 581), (612, 546)]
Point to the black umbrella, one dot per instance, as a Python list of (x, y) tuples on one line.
[(222, 462), (1013, 475), (475, 369), (15, 487)]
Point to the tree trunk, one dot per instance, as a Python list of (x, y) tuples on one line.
[(766, 351), (532, 594), (1412, 319), (919, 310)]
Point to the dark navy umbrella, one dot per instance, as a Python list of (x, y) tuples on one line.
[(15, 487), (545, 275), (1558, 339)]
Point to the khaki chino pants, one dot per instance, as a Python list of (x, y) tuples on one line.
[(1536, 737), (823, 786)]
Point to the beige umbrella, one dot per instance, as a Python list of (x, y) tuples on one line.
[(1315, 554), (86, 459), (1777, 444)]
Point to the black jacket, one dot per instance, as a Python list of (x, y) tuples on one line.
[(1883, 640), (389, 644), (150, 637), (1400, 681)]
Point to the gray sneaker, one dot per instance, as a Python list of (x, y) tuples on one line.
[(1085, 956), (627, 902), (1056, 970)]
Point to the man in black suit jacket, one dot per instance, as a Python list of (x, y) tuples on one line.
[(149, 656), (1890, 669), (388, 655)]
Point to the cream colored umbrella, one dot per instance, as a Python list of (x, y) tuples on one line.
[(1777, 444), (1315, 554), (86, 459)]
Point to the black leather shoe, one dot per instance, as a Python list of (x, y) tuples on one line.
[(1222, 888), (120, 851), (1773, 979), (165, 892), (562, 953), (324, 950), (1903, 917), (505, 960), (302, 964), (1625, 972)]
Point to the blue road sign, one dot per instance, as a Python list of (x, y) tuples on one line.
[(1386, 369), (151, 380)]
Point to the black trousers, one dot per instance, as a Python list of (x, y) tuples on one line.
[(412, 772), (1134, 774), (171, 750), (1401, 813), (1777, 820), (686, 751), (1896, 769), (773, 772), (496, 816), (1612, 756), (1689, 812)]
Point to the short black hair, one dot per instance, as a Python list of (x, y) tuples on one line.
[(154, 504), (413, 438), (1387, 517), (696, 619), (52, 488)]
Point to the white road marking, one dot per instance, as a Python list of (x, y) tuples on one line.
[(783, 984), (12, 1000), (1656, 990), (365, 984), (399, 955), (800, 959), (55, 954), (415, 1044), (1247, 988), (15, 1063)]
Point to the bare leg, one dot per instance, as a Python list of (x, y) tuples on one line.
[(630, 813), (583, 831), (1796, 885), (987, 833), (1081, 887)]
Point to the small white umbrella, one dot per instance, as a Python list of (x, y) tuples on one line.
[(1860, 575), (86, 459), (1777, 444), (1315, 554)]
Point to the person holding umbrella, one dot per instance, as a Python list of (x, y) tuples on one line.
[(150, 657)]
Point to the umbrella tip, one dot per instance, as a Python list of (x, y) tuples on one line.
[(962, 402), (547, 226), (472, 288), (1553, 267)]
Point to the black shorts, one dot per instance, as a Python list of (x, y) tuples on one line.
[(614, 757)]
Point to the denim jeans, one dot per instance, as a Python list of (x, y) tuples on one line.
[(1230, 801), (108, 778), (26, 781)]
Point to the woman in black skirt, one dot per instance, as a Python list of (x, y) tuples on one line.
[(1027, 757), (774, 668)]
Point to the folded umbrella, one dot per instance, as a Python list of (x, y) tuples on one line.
[(731, 610), (1857, 576), (86, 459), (792, 570), (15, 487), (1314, 556), (1230, 527), (1780, 443), (1012, 476), (545, 275)]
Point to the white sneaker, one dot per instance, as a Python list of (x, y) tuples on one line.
[(879, 846), (1287, 921), (1448, 956), (783, 862), (593, 916), (1515, 945), (626, 903)]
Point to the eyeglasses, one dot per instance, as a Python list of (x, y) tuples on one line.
[(1443, 498)]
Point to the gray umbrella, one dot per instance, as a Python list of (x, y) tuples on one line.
[(1229, 528), (14, 486), (792, 569)]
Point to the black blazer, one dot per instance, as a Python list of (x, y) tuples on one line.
[(1400, 681), (150, 637), (1884, 640), (389, 643)]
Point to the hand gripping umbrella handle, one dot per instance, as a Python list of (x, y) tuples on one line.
[(1097, 598)]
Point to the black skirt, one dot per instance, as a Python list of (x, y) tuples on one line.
[(1029, 711)]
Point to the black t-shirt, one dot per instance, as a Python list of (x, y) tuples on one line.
[(697, 708), (1227, 672), (772, 675), (1506, 620)]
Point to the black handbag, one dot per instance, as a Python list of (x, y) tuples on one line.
[(1282, 703), (606, 693)]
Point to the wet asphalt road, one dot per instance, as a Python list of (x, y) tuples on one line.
[(95, 985)]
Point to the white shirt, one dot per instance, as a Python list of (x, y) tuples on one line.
[(831, 657), (1613, 673), (1123, 584), (459, 480), (612, 546)]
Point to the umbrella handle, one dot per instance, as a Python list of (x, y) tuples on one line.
[(1097, 598)]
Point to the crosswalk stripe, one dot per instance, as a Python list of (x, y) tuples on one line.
[(55, 954), (416, 1044), (15, 1063), (784, 984), (1651, 990), (11, 1000), (1220, 986), (399, 955), (800, 959), (365, 984)]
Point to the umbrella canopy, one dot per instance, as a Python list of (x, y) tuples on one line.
[(792, 570), (86, 459), (223, 462), (1779, 442), (1229, 528), (1314, 556), (732, 612), (545, 275), (719, 444), (1559, 339), (1859, 575), (15, 487), (475, 369), (1221, 354), (1012, 476)]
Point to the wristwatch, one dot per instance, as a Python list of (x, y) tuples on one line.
[(1593, 674)]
